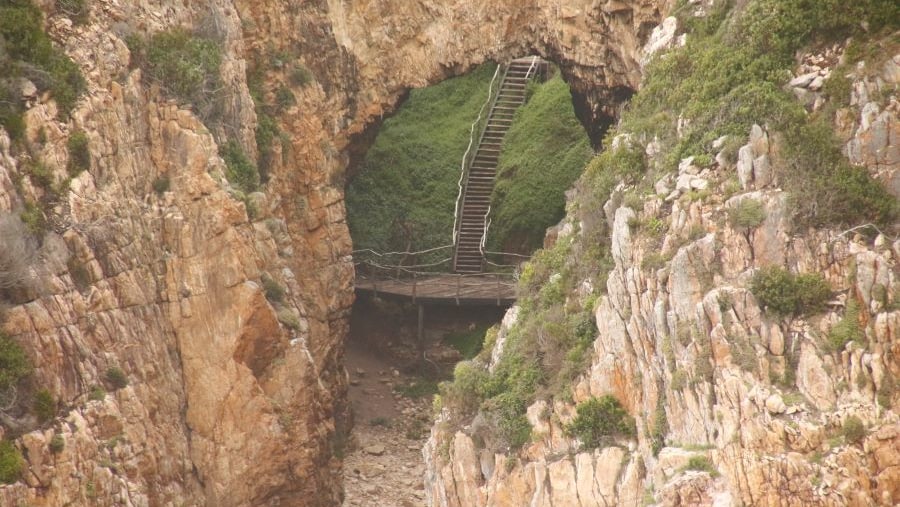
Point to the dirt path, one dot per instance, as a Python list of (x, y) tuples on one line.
[(383, 463)]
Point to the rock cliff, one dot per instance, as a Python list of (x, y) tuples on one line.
[(151, 279), (734, 404)]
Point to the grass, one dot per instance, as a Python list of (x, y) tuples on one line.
[(543, 154), (468, 342), (405, 192)]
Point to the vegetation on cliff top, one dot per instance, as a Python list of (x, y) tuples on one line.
[(27, 52)]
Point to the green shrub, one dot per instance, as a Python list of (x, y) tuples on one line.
[(184, 65), (33, 217), (284, 97), (384, 422), (289, 318), (599, 419), (97, 393), (116, 377), (300, 75), (660, 425), (653, 261), (10, 462), (239, 170), (57, 443), (44, 406), (701, 464), (853, 430), (161, 184), (847, 330), (79, 153), (267, 132), (26, 51), (785, 294), (747, 214), (273, 290), (14, 364)]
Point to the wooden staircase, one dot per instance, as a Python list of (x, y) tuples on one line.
[(479, 182)]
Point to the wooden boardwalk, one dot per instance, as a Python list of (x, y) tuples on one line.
[(447, 289)]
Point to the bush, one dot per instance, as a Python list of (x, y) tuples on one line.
[(97, 393), (10, 462), (79, 153), (44, 406), (300, 75), (239, 170), (34, 219), (284, 98), (787, 294), (14, 364), (116, 377), (598, 419), (273, 290), (747, 214), (854, 431), (161, 184), (184, 65), (57, 443), (847, 330), (26, 51), (701, 464)]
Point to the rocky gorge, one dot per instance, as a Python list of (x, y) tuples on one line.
[(191, 334)]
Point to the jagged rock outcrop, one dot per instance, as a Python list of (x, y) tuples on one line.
[(758, 409), (233, 399)]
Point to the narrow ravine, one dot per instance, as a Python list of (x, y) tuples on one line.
[(391, 392), (383, 463)]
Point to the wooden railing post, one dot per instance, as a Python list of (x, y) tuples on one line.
[(415, 280)]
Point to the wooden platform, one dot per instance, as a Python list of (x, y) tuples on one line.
[(447, 289)]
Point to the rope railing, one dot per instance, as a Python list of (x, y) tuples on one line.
[(465, 159)]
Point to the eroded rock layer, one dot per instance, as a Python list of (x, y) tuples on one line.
[(232, 398)]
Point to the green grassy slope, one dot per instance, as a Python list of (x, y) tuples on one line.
[(405, 194), (543, 154)]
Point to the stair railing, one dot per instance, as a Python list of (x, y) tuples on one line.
[(487, 219)]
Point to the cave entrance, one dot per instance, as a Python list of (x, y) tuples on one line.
[(511, 138)]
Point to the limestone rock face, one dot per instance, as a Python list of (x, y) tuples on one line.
[(233, 399)]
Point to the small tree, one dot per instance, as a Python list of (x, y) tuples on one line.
[(10, 462), (598, 419)]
